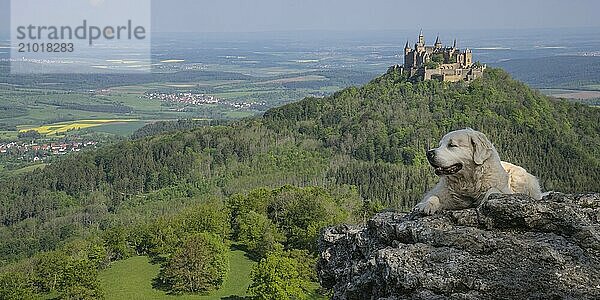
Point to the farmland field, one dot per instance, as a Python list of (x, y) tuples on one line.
[(54, 109), (589, 97), (62, 127)]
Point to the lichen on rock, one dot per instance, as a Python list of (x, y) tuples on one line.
[(510, 247)]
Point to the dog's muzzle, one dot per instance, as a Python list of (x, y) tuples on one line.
[(444, 171), (441, 171)]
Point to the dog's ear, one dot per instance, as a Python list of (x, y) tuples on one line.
[(482, 147)]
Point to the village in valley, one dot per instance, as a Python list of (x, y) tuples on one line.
[(185, 98), (31, 151), (197, 99)]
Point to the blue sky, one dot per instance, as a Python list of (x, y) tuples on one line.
[(268, 15), (351, 15)]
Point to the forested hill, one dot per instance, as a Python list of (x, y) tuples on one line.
[(392, 121), (373, 137)]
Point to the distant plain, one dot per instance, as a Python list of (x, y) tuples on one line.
[(253, 72)]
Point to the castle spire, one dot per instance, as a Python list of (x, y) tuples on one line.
[(454, 46), (421, 39), (438, 44), (406, 49)]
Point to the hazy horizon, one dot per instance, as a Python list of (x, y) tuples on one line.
[(430, 33), (242, 16)]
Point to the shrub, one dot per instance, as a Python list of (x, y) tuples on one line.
[(199, 266), (259, 234), (71, 277), (279, 276), (15, 285)]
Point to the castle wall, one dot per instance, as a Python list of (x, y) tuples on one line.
[(429, 73), (450, 66), (453, 78)]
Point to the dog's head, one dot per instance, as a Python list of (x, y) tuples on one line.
[(460, 150)]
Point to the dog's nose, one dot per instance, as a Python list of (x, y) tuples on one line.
[(431, 154)]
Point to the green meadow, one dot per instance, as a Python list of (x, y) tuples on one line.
[(132, 279)]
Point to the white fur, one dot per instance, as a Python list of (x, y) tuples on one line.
[(482, 174), (521, 182)]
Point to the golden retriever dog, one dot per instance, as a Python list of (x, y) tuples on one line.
[(470, 170)]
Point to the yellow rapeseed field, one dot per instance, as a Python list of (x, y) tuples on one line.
[(63, 127)]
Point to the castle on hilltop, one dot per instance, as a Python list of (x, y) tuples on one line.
[(439, 62)]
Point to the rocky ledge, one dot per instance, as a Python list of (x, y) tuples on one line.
[(511, 247)]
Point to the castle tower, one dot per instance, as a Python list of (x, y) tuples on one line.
[(420, 45), (438, 44), (406, 48), (468, 57)]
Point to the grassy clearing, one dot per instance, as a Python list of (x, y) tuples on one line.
[(239, 114), (6, 172), (8, 135), (139, 104), (592, 87), (294, 79), (132, 279), (122, 129), (239, 94), (572, 94)]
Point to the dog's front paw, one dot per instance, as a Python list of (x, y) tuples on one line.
[(429, 206)]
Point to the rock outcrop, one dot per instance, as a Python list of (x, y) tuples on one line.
[(511, 247)]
